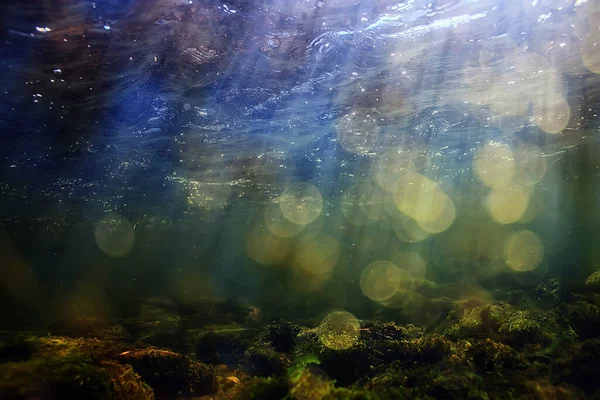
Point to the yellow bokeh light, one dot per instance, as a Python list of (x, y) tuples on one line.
[(317, 255), (524, 251), (410, 262), (357, 132), (380, 280), (362, 204), (339, 330), (88, 300), (265, 248), (278, 224), (389, 166), (371, 202), (508, 98), (531, 164), (551, 114), (418, 197), (590, 50), (408, 230), (114, 235), (495, 165), (444, 221), (535, 207), (507, 205), (350, 206), (301, 203)]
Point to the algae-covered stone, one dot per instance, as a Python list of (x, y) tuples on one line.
[(583, 317), (593, 281), (580, 366), (89, 328), (223, 346), (265, 361), (281, 335), (171, 374), (57, 378), (513, 325)]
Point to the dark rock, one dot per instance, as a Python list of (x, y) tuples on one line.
[(89, 328), (171, 374), (265, 361), (57, 378), (225, 346), (580, 367), (281, 335), (583, 317)]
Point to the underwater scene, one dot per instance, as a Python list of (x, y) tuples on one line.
[(299, 199)]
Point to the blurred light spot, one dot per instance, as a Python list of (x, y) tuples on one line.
[(531, 166), (408, 230), (419, 198), (507, 205), (508, 99), (495, 165), (191, 284), (339, 330), (88, 300), (357, 132), (389, 166), (410, 262), (301, 203), (371, 202), (265, 248), (114, 235), (18, 278), (350, 206), (444, 221), (524, 251), (380, 280), (278, 224), (317, 255), (551, 114)]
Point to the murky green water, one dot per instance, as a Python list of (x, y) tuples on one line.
[(329, 163)]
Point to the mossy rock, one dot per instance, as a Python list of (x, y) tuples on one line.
[(259, 388), (89, 328), (593, 281), (488, 356), (223, 346), (377, 331), (506, 323), (583, 317), (281, 335), (580, 366), (171, 374), (65, 347), (265, 361), (57, 378)]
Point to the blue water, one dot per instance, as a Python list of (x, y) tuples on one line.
[(129, 107)]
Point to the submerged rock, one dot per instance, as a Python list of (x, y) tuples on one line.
[(282, 335), (223, 346), (89, 328), (56, 378), (593, 281), (513, 325), (171, 374)]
